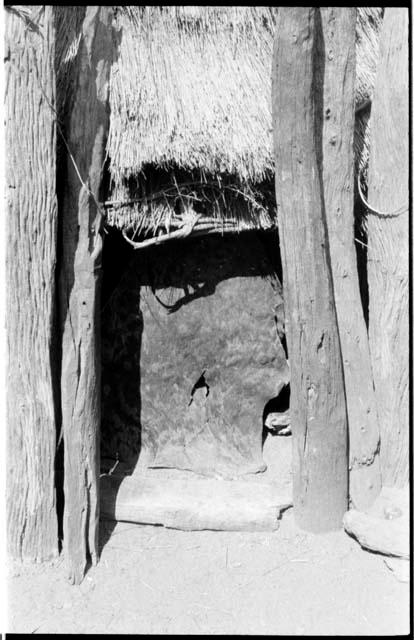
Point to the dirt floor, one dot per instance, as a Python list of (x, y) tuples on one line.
[(157, 580)]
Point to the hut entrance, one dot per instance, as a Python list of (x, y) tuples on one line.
[(192, 337), (192, 352)]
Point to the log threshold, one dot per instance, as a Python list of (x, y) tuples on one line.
[(192, 504)]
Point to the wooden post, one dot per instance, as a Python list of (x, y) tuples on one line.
[(388, 246), (30, 267), (339, 31), (86, 133), (318, 411)]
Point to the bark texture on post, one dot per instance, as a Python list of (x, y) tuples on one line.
[(339, 29), (86, 133), (30, 267), (318, 411), (388, 246)]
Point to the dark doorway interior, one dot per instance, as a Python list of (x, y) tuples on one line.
[(207, 308)]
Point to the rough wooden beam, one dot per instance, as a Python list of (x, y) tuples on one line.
[(318, 411), (192, 504), (388, 238), (86, 132), (30, 267), (339, 28)]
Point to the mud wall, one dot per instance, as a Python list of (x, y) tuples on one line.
[(191, 351)]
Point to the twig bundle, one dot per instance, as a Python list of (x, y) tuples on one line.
[(160, 202)]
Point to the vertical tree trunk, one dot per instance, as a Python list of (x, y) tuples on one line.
[(86, 133), (388, 246), (339, 31), (31, 258), (319, 425)]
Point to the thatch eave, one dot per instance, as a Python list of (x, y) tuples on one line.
[(192, 86), (190, 89)]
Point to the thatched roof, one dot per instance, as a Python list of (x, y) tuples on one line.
[(192, 87), (190, 96)]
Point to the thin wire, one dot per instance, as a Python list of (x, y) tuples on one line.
[(382, 214), (59, 128)]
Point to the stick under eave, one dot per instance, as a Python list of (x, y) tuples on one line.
[(86, 134), (318, 411)]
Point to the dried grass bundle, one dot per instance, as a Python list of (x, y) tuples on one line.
[(190, 90), (192, 86)]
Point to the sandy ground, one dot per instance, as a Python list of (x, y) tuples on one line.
[(157, 580)]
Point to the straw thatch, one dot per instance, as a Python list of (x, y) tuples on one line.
[(191, 126)]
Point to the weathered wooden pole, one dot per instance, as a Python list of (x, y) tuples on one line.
[(319, 423), (388, 237), (339, 33), (30, 267), (86, 131)]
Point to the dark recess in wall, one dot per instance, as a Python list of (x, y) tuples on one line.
[(177, 273)]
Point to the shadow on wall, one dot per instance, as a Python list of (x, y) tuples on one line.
[(121, 334)]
